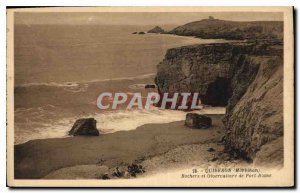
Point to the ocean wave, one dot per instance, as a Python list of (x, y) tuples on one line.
[(107, 122), (124, 78), (125, 120), (78, 84), (137, 86)]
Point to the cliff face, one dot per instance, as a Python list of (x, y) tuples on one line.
[(245, 77), (207, 69), (254, 115), (201, 68)]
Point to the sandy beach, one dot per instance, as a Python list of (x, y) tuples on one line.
[(189, 97), (155, 139), (157, 147)]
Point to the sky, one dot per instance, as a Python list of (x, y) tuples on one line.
[(137, 18)]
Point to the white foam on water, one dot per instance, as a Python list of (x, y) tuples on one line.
[(85, 83), (109, 122), (137, 86), (131, 119)]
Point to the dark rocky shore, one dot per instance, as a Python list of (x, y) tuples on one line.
[(39, 158), (247, 78), (212, 28)]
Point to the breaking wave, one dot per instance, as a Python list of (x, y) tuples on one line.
[(75, 84), (109, 122)]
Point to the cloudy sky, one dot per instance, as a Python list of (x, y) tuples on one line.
[(118, 18)]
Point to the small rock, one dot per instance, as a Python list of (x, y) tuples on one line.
[(150, 86), (118, 173), (105, 177), (211, 149), (84, 127), (225, 157), (142, 32), (195, 120), (214, 159), (221, 139), (134, 32), (135, 169)]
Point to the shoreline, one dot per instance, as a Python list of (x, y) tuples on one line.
[(148, 145), (112, 121)]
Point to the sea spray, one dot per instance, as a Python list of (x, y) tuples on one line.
[(110, 122)]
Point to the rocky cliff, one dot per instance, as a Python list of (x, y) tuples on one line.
[(247, 78), (232, 30)]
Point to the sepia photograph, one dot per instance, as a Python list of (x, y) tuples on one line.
[(150, 97)]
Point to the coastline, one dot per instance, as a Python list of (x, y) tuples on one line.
[(143, 146), (150, 145), (236, 63), (34, 114)]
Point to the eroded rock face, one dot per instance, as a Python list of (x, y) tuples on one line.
[(270, 151), (85, 127), (203, 68), (254, 115), (197, 121), (247, 77)]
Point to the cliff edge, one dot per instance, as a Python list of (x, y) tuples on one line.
[(232, 30), (247, 78)]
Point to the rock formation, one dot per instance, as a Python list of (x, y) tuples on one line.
[(150, 86), (84, 127), (221, 29), (247, 78), (156, 30), (197, 121), (254, 115)]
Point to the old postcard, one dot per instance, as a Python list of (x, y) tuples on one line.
[(150, 97)]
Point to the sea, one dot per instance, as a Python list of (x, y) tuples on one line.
[(61, 69)]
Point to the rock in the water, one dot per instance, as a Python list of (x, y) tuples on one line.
[(84, 127), (142, 32), (157, 30), (150, 86), (198, 121), (134, 32)]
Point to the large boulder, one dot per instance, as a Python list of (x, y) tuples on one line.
[(197, 121), (84, 127)]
